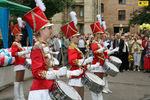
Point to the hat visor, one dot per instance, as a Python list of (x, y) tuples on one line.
[(47, 25), (19, 34), (76, 34)]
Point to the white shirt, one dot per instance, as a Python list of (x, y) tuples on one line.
[(81, 43), (59, 40)]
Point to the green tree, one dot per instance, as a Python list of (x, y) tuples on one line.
[(52, 6), (140, 16)]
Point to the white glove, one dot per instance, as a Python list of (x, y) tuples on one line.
[(89, 60), (51, 75), (109, 52), (62, 71), (100, 50), (74, 73), (116, 49), (105, 44), (23, 53), (92, 67), (81, 62), (54, 53)]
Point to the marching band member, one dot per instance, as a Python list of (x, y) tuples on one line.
[(44, 73), (99, 55), (76, 59), (100, 52), (19, 54)]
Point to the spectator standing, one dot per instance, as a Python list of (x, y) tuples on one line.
[(147, 56), (118, 42), (136, 45), (81, 44)]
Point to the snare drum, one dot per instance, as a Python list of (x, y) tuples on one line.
[(110, 69), (64, 92), (28, 64), (115, 60), (93, 82)]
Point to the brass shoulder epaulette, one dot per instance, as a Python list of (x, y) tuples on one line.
[(37, 45), (72, 46)]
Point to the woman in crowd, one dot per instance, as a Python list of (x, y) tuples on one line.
[(19, 54), (43, 63), (136, 46), (147, 55)]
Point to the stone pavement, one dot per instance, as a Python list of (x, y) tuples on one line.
[(125, 86)]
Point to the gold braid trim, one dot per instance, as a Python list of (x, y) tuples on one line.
[(74, 46), (38, 44), (43, 74), (34, 22), (97, 52), (19, 46)]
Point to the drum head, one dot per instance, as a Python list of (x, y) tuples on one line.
[(68, 90), (116, 59), (95, 78), (112, 66)]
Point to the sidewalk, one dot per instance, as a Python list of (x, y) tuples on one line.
[(125, 86)]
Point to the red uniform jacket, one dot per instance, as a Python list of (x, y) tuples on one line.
[(98, 57), (16, 47), (39, 70), (74, 54)]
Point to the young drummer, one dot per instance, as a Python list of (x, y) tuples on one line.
[(43, 62), (76, 59), (19, 54)]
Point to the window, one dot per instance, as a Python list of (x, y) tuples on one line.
[(102, 7), (121, 15), (81, 28), (81, 11), (122, 1)]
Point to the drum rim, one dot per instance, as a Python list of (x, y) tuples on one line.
[(56, 81), (93, 81), (115, 57)]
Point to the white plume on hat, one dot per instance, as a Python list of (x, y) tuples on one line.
[(19, 19), (40, 4), (73, 17), (104, 24), (99, 18)]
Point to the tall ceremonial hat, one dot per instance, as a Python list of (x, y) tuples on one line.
[(96, 28), (37, 19), (70, 30), (16, 30)]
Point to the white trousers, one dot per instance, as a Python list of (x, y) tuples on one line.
[(19, 67), (75, 82), (137, 58), (39, 95), (96, 96)]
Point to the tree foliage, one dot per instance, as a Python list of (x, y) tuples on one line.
[(52, 6), (140, 16)]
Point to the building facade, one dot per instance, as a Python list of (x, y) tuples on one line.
[(116, 13)]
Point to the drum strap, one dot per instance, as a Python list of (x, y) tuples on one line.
[(101, 58)]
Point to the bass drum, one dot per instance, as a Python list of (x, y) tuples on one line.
[(62, 91), (93, 82)]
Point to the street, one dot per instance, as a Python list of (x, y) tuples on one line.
[(125, 86)]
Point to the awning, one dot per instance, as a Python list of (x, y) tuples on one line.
[(15, 8)]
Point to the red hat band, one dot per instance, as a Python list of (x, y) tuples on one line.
[(69, 29), (36, 19), (96, 28)]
